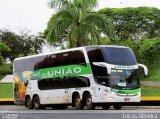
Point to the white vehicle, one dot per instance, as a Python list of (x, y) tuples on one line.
[(86, 76)]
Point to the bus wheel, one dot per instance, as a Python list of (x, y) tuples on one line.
[(36, 102), (78, 103), (117, 106), (105, 106), (89, 104), (29, 103)]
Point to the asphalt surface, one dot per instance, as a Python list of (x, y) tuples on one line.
[(127, 112)]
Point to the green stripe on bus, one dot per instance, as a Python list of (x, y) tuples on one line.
[(133, 91), (57, 72)]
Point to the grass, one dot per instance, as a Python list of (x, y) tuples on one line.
[(150, 91), (6, 90), (5, 69), (154, 73)]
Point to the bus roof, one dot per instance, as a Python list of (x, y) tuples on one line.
[(61, 51), (116, 46)]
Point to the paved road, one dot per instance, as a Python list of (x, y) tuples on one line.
[(133, 112)]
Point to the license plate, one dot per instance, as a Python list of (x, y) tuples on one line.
[(126, 99)]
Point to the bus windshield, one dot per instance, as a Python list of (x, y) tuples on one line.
[(128, 79), (119, 56)]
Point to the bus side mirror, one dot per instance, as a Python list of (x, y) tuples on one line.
[(103, 64), (145, 69)]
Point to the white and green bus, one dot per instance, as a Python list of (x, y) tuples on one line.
[(85, 76)]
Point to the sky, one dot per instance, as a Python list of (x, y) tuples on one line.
[(34, 14)]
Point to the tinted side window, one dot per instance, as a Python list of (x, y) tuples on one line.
[(78, 58), (76, 82), (95, 55), (65, 58), (99, 73), (47, 61), (48, 84), (61, 59), (53, 60)]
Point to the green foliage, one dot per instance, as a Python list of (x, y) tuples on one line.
[(154, 72), (101, 41), (150, 50), (5, 69), (1, 60), (150, 91), (4, 47), (75, 22), (134, 23), (60, 5), (20, 45)]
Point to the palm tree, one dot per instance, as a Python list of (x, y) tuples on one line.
[(76, 22)]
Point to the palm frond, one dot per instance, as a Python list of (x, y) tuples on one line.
[(100, 21), (59, 5), (86, 5), (58, 28), (81, 23)]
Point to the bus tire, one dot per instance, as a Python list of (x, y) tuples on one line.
[(78, 102), (36, 102), (117, 106), (106, 106), (89, 104), (29, 103)]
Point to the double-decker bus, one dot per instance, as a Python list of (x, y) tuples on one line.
[(88, 76)]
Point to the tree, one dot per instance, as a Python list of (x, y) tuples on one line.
[(20, 45), (31, 44), (3, 48), (76, 23), (134, 23), (149, 50), (10, 39)]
